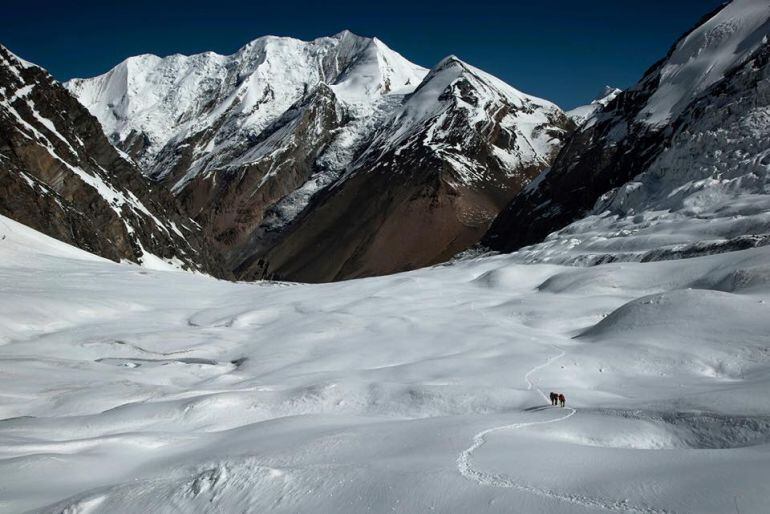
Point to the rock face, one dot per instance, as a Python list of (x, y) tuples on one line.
[(60, 175), (327, 159), (676, 165)]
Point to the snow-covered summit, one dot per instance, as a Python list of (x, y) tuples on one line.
[(10, 59), (427, 184), (456, 100), (582, 113), (376, 71), (148, 102)]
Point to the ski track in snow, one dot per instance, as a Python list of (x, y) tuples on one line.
[(467, 470)]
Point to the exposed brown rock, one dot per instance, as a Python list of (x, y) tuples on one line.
[(60, 175)]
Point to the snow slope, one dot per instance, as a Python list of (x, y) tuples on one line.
[(705, 192), (139, 390)]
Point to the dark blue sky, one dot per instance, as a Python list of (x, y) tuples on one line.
[(562, 50)]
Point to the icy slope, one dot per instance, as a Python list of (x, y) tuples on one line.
[(636, 188), (152, 391), (20, 243), (706, 56)]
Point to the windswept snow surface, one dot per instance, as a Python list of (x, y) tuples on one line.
[(131, 390)]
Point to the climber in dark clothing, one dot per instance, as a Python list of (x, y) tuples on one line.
[(562, 400), (554, 398)]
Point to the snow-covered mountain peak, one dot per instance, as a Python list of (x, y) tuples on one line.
[(346, 35), (582, 113), (605, 93), (456, 104), (14, 60), (452, 68), (343, 33), (455, 82), (147, 103), (449, 60), (375, 71)]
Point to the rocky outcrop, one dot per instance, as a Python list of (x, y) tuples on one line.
[(60, 175)]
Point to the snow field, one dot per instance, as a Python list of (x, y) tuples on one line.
[(124, 389)]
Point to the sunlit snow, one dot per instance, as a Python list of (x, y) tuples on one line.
[(126, 389)]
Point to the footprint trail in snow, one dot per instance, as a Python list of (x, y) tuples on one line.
[(465, 466)]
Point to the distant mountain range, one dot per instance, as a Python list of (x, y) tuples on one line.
[(327, 159), (338, 158)]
